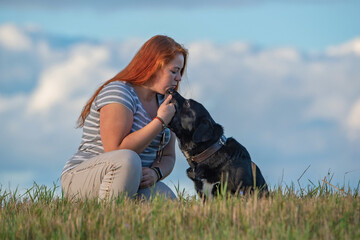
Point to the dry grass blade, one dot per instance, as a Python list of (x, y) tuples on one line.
[(282, 215), (334, 187)]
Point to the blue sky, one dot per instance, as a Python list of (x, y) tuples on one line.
[(308, 26), (283, 79)]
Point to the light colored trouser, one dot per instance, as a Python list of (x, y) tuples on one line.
[(109, 175)]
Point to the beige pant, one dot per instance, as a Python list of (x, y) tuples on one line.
[(109, 175)]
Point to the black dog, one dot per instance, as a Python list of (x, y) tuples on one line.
[(213, 159)]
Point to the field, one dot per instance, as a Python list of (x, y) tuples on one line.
[(317, 212)]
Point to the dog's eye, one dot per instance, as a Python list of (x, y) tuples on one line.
[(187, 103)]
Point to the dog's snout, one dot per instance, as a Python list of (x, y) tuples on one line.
[(176, 97)]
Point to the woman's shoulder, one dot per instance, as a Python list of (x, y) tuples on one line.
[(119, 86), (116, 92)]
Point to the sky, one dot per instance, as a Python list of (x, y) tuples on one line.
[(282, 77)]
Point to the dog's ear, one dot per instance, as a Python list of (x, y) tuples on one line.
[(218, 130), (203, 132)]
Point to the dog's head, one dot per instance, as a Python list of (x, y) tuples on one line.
[(192, 123)]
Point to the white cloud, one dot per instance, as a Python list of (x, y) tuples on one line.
[(14, 38), (57, 83), (269, 77), (348, 48), (353, 120)]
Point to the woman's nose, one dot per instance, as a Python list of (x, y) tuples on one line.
[(178, 77)]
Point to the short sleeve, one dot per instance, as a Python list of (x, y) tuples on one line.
[(116, 92)]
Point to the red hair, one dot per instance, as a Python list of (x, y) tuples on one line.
[(152, 56)]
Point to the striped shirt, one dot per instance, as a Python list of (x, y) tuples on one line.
[(91, 144)]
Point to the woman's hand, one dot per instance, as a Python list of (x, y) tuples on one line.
[(166, 110), (149, 178)]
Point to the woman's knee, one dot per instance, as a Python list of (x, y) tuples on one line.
[(164, 189), (127, 160), (123, 157), (159, 188), (123, 174), (130, 159)]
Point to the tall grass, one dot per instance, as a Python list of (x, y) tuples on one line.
[(316, 212)]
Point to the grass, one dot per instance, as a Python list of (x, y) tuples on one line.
[(316, 212)]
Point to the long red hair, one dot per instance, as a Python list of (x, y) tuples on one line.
[(152, 56)]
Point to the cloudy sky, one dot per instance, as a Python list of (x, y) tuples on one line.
[(282, 78)]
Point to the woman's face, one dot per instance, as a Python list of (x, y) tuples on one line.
[(169, 76)]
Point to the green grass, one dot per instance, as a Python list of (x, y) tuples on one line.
[(315, 212)]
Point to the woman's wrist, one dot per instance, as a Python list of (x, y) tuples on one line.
[(157, 118), (158, 172)]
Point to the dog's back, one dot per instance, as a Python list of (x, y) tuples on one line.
[(243, 175)]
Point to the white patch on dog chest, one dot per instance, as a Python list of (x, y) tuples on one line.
[(207, 188)]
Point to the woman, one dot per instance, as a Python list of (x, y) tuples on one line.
[(126, 147)]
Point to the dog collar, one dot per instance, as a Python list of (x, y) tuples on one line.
[(208, 152)]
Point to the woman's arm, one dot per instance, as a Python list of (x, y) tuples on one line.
[(115, 124), (166, 165), (116, 121), (167, 161)]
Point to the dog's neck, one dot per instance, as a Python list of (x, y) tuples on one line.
[(202, 152), (207, 153)]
